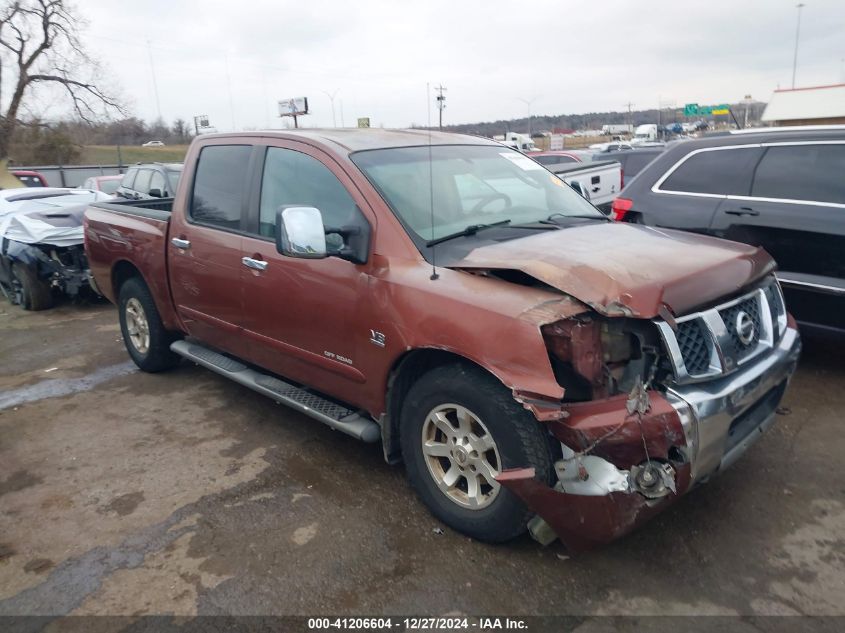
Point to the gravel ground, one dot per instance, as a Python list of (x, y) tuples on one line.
[(182, 493)]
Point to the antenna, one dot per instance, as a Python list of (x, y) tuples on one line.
[(434, 275)]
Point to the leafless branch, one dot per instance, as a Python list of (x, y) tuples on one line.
[(41, 46)]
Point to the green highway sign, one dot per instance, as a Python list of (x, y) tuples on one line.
[(693, 109)]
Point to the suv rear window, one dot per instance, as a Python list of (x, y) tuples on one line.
[(129, 178), (720, 172), (142, 182), (555, 160), (802, 172)]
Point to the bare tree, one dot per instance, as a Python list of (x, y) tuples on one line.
[(180, 130), (40, 46)]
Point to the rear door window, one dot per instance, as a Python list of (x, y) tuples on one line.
[(718, 172), (802, 172), (220, 184)]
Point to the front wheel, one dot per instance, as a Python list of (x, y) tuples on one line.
[(459, 429), (144, 335)]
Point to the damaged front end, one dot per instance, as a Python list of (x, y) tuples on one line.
[(64, 268), (651, 410)]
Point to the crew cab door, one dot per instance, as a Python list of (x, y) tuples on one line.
[(796, 212), (303, 317), (204, 251)]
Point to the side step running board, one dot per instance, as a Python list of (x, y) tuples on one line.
[(334, 415)]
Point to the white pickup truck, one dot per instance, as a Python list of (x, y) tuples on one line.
[(599, 182)]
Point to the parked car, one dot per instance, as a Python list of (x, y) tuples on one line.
[(780, 189), (557, 157), (153, 144), (534, 364), (30, 178), (106, 184), (41, 250), (632, 161), (150, 180)]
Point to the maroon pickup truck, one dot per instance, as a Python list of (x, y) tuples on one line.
[(533, 364)]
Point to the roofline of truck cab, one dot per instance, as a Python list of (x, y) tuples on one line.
[(359, 139)]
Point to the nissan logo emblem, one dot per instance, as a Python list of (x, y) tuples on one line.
[(745, 329)]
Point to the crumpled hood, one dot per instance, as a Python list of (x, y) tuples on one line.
[(628, 270)]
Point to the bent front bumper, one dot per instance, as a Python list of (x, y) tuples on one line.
[(692, 430)]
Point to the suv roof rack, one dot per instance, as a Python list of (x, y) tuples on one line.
[(789, 128)]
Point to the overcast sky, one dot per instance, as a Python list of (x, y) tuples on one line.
[(235, 60)]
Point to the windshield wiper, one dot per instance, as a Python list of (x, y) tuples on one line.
[(472, 229), (598, 216)]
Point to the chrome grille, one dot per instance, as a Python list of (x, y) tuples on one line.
[(731, 315), (693, 343), (717, 341)]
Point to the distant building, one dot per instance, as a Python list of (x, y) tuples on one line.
[(819, 105)]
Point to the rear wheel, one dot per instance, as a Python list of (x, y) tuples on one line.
[(35, 294), (145, 337), (459, 429)]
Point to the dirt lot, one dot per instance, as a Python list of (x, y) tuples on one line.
[(182, 493)]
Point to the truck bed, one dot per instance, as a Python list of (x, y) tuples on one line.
[(126, 235), (602, 180)]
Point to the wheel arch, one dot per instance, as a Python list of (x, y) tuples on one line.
[(405, 370), (123, 270)]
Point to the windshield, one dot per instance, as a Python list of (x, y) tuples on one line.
[(471, 185)]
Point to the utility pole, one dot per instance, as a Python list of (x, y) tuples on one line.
[(798, 6), (441, 104), (747, 101), (630, 115), (231, 100)]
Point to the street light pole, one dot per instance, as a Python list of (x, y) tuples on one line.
[(798, 6), (528, 103), (331, 97)]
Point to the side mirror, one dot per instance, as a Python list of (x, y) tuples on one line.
[(156, 193), (300, 233)]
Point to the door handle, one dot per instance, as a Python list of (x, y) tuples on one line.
[(742, 211), (255, 264), (178, 242), (595, 189)]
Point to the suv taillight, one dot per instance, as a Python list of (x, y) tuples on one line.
[(620, 208)]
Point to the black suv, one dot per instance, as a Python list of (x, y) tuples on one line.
[(782, 189), (150, 180)]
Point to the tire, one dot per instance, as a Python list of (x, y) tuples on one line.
[(518, 440), (144, 335), (35, 293)]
